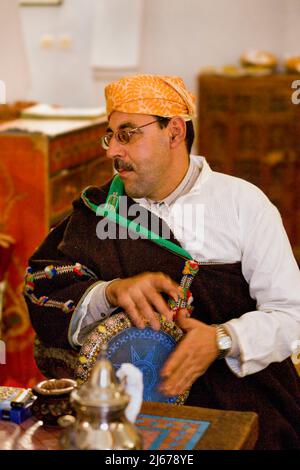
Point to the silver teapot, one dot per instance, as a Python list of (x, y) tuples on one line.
[(100, 406)]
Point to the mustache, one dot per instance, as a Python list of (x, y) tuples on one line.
[(119, 164)]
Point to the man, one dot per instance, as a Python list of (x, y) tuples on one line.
[(246, 294)]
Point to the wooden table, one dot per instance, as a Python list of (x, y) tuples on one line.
[(228, 430)]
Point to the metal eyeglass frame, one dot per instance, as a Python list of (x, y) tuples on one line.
[(123, 136)]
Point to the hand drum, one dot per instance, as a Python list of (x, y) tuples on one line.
[(146, 349)]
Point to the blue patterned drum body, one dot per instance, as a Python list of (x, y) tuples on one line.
[(146, 349)]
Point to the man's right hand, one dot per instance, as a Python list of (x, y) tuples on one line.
[(140, 297)]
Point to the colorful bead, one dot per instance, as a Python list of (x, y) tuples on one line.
[(189, 298), (82, 359), (101, 329), (29, 287), (172, 304), (191, 267), (68, 306), (43, 300), (29, 278), (78, 269), (50, 272)]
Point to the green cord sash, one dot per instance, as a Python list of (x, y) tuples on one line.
[(109, 210)]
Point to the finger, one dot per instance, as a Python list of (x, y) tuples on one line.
[(180, 386), (163, 283), (147, 312), (173, 384), (184, 321), (179, 374), (159, 304), (177, 358), (184, 372), (133, 313)]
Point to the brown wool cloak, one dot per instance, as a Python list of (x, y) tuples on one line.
[(220, 293)]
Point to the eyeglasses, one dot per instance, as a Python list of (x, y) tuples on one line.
[(123, 136)]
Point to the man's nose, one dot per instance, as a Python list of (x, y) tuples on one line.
[(115, 148)]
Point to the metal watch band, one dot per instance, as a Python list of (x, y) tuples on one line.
[(224, 341)]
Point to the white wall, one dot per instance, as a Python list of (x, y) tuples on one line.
[(61, 76), (178, 37), (14, 70), (292, 27)]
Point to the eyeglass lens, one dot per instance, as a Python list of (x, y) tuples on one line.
[(123, 136)]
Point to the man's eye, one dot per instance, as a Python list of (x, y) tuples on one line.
[(123, 136)]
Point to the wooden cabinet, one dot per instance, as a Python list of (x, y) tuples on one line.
[(249, 127), (43, 167)]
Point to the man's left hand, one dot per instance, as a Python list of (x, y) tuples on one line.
[(192, 356)]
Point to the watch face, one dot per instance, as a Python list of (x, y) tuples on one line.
[(225, 342)]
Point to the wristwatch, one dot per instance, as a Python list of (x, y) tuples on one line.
[(224, 341)]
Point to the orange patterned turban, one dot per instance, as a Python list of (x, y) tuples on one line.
[(150, 94)]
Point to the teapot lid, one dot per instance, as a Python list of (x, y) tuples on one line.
[(102, 389)]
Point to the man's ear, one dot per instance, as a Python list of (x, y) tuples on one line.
[(177, 130)]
